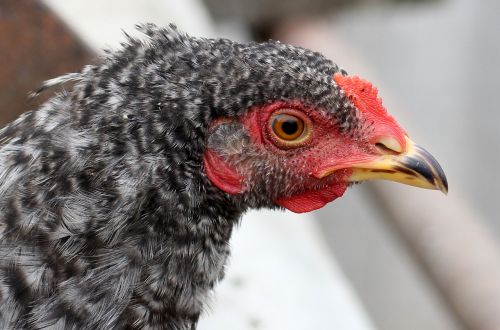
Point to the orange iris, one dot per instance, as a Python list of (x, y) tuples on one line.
[(287, 127)]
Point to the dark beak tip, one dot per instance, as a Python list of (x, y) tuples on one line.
[(428, 167), (444, 185), (440, 177)]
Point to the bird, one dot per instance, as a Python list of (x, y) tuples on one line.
[(119, 195)]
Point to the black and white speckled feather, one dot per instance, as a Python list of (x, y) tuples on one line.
[(107, 219)]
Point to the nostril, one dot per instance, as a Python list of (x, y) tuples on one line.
[(388, 145), (382, 148)]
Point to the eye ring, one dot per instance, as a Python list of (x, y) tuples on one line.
[(289, 128)]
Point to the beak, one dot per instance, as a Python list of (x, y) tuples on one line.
[(415, 167)]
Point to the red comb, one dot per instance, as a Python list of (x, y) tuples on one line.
[(361, 92)]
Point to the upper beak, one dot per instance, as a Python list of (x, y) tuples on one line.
[(415, 166)]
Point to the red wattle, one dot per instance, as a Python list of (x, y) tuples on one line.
[(222, 175), (312, 200)]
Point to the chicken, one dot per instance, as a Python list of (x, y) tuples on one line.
[(119, 196)]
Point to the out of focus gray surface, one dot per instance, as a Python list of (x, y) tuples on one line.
[(395, 291), (269, 12)]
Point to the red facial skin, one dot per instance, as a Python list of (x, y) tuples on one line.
[(324, 149)]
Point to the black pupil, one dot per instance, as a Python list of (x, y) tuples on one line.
[(290, 126)]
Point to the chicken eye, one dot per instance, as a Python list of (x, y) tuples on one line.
[(287, 127)]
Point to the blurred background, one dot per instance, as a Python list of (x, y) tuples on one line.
[(384, 256)]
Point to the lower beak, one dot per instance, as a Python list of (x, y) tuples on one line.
[(415, 167)]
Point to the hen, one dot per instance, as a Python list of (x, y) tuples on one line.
[(118, 197)]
